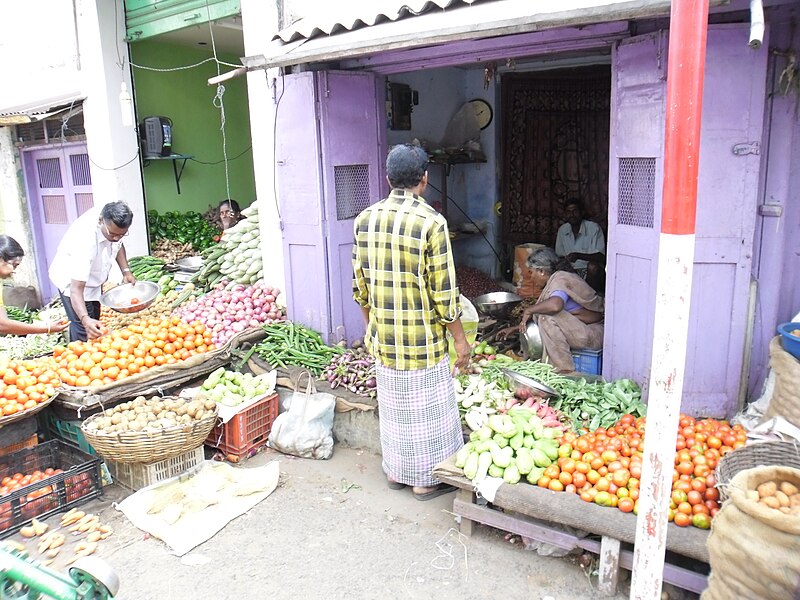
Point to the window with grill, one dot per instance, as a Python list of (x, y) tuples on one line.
[(352, 190), (79, 163), (636, 192)]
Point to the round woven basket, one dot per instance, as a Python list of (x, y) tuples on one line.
[(757, 454), (149, 446)]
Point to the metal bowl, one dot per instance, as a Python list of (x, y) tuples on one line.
[(521, 381), (119, 299), (497, 305), (531, 342), (190, 263)]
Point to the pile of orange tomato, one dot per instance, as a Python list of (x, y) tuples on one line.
[(26, 383), (605, 466), (133, 349)]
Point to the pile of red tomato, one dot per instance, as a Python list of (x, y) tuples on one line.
[(605, 466), (40, 499)]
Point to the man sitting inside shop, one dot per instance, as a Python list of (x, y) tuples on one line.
[(582, 243)]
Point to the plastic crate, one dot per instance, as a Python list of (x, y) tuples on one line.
[(68, 431), (136, 476), (247, 430), (588, 361), (29, 443), (78, 482)]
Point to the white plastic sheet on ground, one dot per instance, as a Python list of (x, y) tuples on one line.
[(201, 503)]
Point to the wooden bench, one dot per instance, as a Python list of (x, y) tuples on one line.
[(535, 512)]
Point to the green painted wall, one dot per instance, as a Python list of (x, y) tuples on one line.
[(185, 97)]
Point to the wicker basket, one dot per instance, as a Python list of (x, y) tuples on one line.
[(149, 446), (756, 454)]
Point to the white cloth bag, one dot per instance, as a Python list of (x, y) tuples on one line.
[(305, 429)]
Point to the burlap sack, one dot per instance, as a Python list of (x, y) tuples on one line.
[(754, 551), (521, 277), (786, 396)]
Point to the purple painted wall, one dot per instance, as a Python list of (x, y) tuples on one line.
[(777, 244)]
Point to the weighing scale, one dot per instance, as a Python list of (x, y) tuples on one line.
[(24, 578)]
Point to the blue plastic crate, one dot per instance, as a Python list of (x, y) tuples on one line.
[(588, 361)]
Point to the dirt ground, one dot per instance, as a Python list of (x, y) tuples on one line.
[(332, 529)]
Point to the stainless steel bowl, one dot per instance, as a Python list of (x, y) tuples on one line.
[(119, 298), (190, 263), (521, 381), (531, 341), (497, 305)]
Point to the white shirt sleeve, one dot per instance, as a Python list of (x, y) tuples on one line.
[(598, 241), (561, 245)]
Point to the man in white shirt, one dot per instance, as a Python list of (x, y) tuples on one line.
[(582, 242), (83, 262)]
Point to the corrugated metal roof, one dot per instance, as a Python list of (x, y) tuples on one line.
[(356, 14), (460, 20), (43, 109)]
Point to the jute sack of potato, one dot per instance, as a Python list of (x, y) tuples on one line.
[(753, 546), (787, 381)]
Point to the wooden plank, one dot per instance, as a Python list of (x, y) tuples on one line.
[(540, 531), (569, 509), (608, 573), (464, 497)]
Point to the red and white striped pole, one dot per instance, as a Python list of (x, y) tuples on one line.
[(685, 71)]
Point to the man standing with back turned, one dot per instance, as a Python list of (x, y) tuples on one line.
[(404, 281)]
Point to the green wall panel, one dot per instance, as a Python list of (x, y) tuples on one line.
[(185, 97), (147, 18)]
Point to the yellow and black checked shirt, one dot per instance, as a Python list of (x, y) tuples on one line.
[(404, 272)]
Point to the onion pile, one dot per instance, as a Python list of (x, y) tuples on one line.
[(353, 370), (227, 312), (473, 282)]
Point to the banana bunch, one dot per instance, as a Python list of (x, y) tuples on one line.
[(237, 256)]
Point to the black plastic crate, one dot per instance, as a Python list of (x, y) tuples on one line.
[(78, 482)]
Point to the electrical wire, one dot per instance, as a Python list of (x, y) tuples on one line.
[(242, 153), (470, 220), (220, 104)]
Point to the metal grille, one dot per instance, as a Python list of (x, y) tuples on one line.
[(637, 192), (352, 190), (51, 129), (55, 210), (83, 202), (49, 173), (80, 169)]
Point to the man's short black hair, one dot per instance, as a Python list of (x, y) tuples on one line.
[(406, 166), (576, 201), (118, 213)]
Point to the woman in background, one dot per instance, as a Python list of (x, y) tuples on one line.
[(11, 254), (229, 213)]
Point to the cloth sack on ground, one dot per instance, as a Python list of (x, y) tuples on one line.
[(305, 429), (189, 509), (752, 549), (787, 381)]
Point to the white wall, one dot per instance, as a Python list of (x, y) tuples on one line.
[(67, 49), (473, 187)]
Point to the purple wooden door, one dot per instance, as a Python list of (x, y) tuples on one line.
[(351, 179), (299, 188), (59, 191), (327, 151), (727, 191)]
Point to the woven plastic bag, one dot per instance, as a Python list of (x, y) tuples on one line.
[(787, 381), (305, 429), (752, 549)]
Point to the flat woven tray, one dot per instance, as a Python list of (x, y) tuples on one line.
[(25, 414), (149, 446), (756, 454)]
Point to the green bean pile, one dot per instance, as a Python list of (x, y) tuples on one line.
[(289, 343)]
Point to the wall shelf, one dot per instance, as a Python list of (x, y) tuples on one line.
[(174, 158), (446, 161)]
